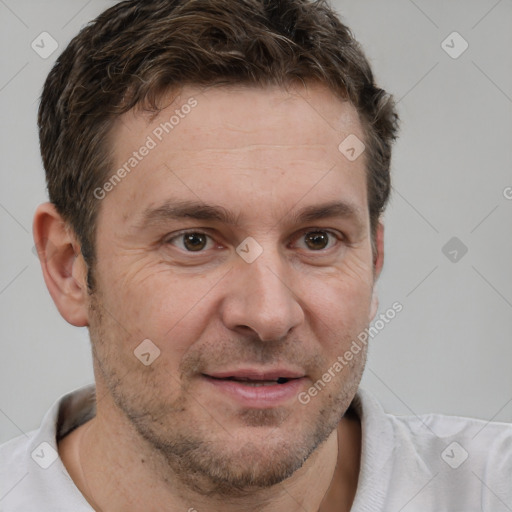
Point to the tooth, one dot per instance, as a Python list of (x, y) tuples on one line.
[(259, 383)]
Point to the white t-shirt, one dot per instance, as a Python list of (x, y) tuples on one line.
[(427, 463)]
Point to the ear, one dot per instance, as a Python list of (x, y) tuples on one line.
[(64, 269), (378, 262)]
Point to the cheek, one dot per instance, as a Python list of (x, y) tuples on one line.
[(151, 301), (346, 288), (339, 303)]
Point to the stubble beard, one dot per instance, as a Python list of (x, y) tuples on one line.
[(188, 453)]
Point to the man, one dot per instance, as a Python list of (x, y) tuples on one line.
[(217, 171)]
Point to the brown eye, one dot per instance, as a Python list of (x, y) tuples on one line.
[(191, 241), (317, 240), (194, 241)]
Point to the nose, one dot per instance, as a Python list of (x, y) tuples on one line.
[(259, 297)]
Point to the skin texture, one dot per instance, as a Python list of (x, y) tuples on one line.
[(164, 437)]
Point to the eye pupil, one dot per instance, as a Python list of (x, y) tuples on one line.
[(194, 241), (317, 240)]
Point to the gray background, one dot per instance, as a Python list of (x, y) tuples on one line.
[(450, 348)]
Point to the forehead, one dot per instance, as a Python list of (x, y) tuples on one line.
[(238, 145)]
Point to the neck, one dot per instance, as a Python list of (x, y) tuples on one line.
[(116, 470)]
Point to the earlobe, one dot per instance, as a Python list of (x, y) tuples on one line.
[(64, 269)]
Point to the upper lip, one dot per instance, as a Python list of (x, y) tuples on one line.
[(257, 374)]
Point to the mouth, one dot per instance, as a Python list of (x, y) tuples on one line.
[(257, 389), (254, 382)]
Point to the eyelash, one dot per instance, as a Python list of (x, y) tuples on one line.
[(339, 237)]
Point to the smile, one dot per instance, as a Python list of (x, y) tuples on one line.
[(256, 391)]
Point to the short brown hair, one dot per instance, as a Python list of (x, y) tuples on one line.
[(137, 50)]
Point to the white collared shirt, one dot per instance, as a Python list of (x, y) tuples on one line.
[(426, 463)]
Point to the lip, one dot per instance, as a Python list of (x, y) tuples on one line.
[(255, 374), (257, 397)]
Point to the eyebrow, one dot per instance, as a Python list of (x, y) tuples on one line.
[(179, 210), (328, 210)]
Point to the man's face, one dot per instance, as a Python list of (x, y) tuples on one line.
[(241, 162)]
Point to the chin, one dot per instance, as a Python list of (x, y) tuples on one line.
[(261, 452), (231, 471)]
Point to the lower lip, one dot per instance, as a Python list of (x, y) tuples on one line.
[(258, 396)]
